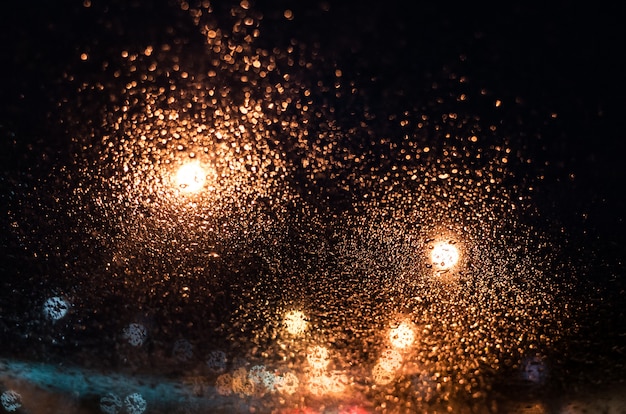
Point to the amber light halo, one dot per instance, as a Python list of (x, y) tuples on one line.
[(190, 177), (444, 256)]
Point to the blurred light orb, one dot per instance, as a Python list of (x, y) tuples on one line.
[(295, 322), (216, 361), (135, 334), (534, 370), (135, 404), (444, 256), (183, 350), (224, 384), (287, 383), (382, 375), (318, 357), (327, 383), (387, 366), (402, 336), (110, 404), (260, 376), (55, 308), (190, 177), (241, 383), (11, 400)]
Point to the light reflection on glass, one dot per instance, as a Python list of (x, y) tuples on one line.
[(324, 383), (318, 357), (385, 370), (295, 322), (402, 336), (190, 177), (444, 256)]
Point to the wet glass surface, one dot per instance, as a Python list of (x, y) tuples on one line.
[(320, 207)]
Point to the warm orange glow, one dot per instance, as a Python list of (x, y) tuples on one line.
[(190, 177), (402, 336), (295, 322), (444, 256), (385, 369), (324, 383), (287, 384), (318, 357)]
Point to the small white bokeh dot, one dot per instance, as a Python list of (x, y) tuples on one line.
[(135, 334), (135, 404), (110, 404), (55, 308), (11, 400)]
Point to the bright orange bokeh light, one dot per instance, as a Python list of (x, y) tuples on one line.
[(295, 322), (190, 177), (402, 336), (444, 256)]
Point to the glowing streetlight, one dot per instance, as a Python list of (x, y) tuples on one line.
[(190, 177), (387, 367), (295, 322), (444, 256), (402, 336), (318, 357)]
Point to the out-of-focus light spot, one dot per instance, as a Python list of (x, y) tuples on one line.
[(11, 400), (318, 357), (241, 383), (183, 350), (55, 308), (287, 383), (385, 369), (402, 336), (190, 177), (110, 404), (135, 334), (390, 359), (84, 56), (327, 383), (135, 404), (295, 322), (224, 384), (444, 256), (534, 370), (216, 361), (261, 377), (381, 375), (288, 14)]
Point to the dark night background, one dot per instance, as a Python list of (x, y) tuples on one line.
[(558, 58)]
